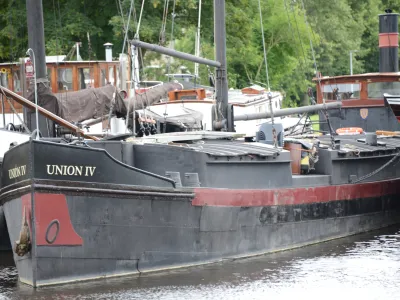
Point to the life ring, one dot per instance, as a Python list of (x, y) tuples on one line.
[(349, 131)]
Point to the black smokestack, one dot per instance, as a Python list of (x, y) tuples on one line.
[(388, 42)]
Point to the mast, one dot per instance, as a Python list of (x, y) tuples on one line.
[(34, 11), (220, 56)]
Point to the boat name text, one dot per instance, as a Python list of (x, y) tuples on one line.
[(65, 170), (17, 172)]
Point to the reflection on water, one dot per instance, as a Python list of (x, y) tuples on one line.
[(365, 266)]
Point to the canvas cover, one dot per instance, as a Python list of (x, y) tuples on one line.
[(96, 102)]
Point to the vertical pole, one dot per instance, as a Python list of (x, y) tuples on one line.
[(34, 10), (265, 51), (135, 79), (31, 53), (351, 62), (197, 50), (77, 51), (24, 87), (220, 53), (3, 110)]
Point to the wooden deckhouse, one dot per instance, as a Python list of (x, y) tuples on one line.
[(64, 76), (362, 90), (362, 98)]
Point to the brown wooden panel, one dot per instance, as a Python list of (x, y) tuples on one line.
[(54, 86), (295, 155), (75, 84), (96, 76), (7, 107)]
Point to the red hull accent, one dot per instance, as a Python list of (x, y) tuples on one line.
[(53, 222), (294, 196)]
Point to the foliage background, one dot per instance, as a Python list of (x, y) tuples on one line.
[(334, 28)]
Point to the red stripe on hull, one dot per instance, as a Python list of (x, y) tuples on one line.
[(294, 196)]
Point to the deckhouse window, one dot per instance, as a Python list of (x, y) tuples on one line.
[(4, 79), (346, 91), (64, 80), (85, 78), (377, 89), (111, 75), (17, 81), (103, 77), (49, 75)]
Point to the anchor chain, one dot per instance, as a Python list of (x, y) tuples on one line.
[(275, 139), (377, 170)]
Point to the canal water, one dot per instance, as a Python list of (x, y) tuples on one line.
[(365, 266)]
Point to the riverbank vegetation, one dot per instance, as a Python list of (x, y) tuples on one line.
[(292, 29)]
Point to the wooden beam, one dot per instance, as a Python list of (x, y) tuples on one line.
[(76, 85), (30, 105), (54, 83)]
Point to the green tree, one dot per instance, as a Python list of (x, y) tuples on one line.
[(335, 28)]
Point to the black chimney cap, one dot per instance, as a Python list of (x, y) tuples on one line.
[(388, 11)]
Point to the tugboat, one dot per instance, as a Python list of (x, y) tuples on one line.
[(85, 209)]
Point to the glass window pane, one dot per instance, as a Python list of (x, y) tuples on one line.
[(103, 77), (4, 78), (118, 79), (85, 78), (111, 75), (64, 79), (49, 76), (347, 91), (17, 81), (377, 89)]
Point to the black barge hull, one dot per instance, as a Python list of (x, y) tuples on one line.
[(4, 239), (95, 235), (104, 227)]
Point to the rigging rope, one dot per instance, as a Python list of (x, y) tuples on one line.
[(197, 43), (298, 33), (127, 27), (119, 8), (263, 40), (164, 23), (266, 72), (57, 32), (319, 79), (140, 21), (134, 78), (3, 111), (11, 40), (172, 36), (123, 51)]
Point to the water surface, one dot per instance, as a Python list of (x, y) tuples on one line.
[(365, 266)]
